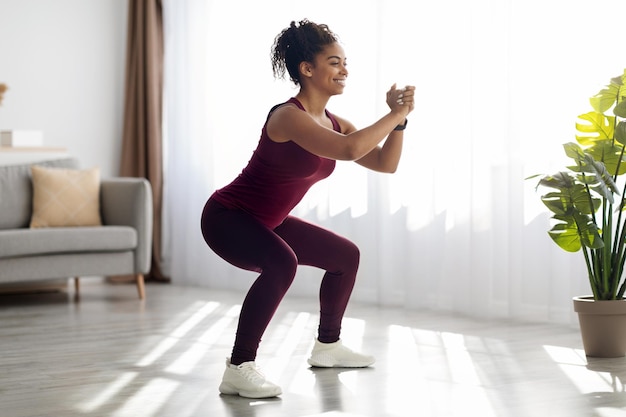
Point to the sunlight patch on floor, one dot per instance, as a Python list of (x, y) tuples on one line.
[(462, 367), (149, 400), (187, 361), (574, 365), (609, 412), (152, 396), (406, 350), (109, 392), (352, 331), (293, 336), (335, 414), (167, 343)]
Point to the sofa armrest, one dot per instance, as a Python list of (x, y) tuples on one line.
[(128, 202)]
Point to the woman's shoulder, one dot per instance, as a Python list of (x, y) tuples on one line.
[(283, 115), (344, 124), (292, 103)]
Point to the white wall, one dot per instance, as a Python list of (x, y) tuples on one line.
[(63, 61)]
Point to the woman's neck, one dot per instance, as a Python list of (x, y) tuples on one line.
[(314, 104)]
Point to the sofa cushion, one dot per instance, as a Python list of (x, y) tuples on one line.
[(16, 193), (65, 197), (32, 242)]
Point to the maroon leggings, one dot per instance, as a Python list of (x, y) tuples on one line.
[(246, 243)]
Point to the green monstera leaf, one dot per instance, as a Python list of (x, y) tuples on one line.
[(571, 196), (620, 109), (620, 132), (609, 95), (594, 172), (593, 127), (575, 231), (611, 154), (606, 98)]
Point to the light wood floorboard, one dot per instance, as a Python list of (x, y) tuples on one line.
[(110, 354)]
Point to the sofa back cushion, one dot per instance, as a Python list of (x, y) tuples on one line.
[(16, 192)]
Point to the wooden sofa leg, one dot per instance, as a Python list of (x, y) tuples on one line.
[(140, 286), (76, 288)]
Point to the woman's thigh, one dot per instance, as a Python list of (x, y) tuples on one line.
[(317, 246), (240, 239)]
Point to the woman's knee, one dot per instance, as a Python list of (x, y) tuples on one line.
[(348, 258), (281, 267), (354, 255)]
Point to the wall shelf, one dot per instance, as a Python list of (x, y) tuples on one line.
[(10, 155)]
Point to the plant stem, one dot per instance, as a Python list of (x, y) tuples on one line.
[(607, 237), (590, 272), (620, 257)]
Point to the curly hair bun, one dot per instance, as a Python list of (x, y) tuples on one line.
[(300, 42)]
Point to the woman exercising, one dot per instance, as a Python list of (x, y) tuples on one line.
[(248, 222)]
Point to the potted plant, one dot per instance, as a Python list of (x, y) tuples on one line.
[(588, 206)]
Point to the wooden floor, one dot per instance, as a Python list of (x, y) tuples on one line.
[(113, 355)]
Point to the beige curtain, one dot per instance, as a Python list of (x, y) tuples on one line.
[(142, 146)]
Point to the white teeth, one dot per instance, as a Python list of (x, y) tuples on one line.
[(342, 82)]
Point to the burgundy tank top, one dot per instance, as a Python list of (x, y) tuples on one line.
[(276, 178)]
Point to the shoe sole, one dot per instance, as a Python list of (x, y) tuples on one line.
[(331, 364), (228, 389)]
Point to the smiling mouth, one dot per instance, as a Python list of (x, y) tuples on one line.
[(341, 82)]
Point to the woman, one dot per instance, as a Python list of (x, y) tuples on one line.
[(247, 222)]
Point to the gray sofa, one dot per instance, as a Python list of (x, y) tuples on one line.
[(121, 246)]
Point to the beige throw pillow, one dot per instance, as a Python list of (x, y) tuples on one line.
[(65, 197)]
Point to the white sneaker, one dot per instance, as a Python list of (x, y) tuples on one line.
[(247, 381), (336, 355)]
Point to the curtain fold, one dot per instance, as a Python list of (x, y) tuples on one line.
[(142, 150)]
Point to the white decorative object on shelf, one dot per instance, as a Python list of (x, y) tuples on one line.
[(21, 138)]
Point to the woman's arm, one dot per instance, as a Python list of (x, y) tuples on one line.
[(387, 157), (383, 158), (290, 123)]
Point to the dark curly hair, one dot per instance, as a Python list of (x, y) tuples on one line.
[(299, 42)]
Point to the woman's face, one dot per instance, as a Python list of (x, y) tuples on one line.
[(329, 71)]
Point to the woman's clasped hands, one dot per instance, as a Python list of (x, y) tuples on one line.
[(401, 99)]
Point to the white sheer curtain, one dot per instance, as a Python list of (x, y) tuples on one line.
[(457, 228)]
